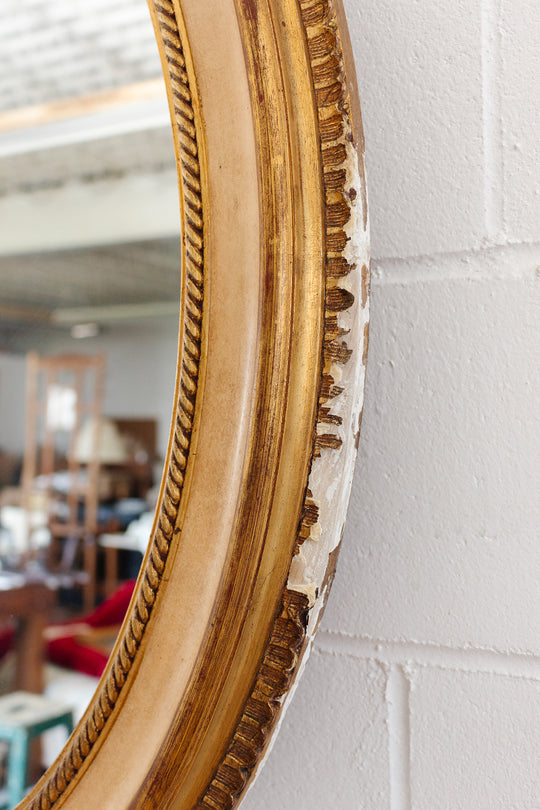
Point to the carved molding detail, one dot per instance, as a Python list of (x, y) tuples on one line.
[(119, 667), (261, 710), (289, 637)]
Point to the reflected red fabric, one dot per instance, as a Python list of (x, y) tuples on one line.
[(70, 653), (7, 635), (113, 609)]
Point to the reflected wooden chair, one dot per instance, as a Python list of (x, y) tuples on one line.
[(63, 392)]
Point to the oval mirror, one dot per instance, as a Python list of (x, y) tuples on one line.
[(267, 406)]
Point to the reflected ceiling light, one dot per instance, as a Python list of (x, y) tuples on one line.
[(84, 330)]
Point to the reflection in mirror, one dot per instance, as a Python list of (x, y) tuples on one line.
[(89, 290)]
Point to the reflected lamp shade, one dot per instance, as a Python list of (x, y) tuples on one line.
[(111, 446)]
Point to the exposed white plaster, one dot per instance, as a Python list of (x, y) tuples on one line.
[(331, 474)]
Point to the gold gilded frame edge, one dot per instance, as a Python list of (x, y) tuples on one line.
[(316, 199)]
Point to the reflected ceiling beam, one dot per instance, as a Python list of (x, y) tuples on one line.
[(114, 313), (132, 208), (132, 108), (107, 313), (9, 312)]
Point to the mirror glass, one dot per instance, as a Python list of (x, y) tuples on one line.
[(89, 292)]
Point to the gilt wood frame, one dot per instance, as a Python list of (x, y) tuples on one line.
[(268, 403)]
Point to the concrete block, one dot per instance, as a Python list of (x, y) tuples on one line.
[(332, 750), (520, 57), (474, 741), (420, 77), (441, 543)]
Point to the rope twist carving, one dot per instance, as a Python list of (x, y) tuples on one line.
[(104, 701)]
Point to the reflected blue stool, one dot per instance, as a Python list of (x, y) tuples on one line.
[(24, 716)]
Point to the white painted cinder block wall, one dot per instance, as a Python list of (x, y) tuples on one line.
[(423, 690)]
